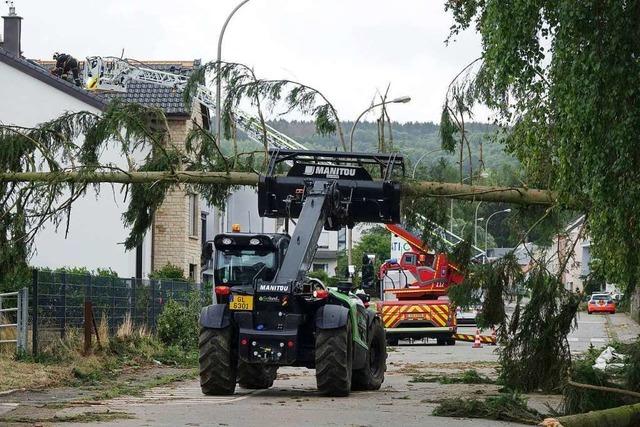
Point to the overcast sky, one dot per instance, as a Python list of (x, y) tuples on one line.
[(347, 49)]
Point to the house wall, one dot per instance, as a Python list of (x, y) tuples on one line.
[(575, 246), (96, 231), (173, 241)]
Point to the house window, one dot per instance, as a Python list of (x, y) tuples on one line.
[(192, 272), (321, 267), (342, 239), (193, 215), (323, 241)]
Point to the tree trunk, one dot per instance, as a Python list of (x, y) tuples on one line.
[(622, 416), (410, 190)]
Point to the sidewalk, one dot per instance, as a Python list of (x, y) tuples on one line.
[(622, 328)]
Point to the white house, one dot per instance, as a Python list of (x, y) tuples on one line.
[(30, 95)]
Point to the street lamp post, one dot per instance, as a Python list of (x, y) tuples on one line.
[(413, 175), (482, 174), (475, 226), (218, 65), (475, 231), (400, 100), (486, 228)]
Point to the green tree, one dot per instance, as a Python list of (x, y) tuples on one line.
[(375, 240), (564, 77)]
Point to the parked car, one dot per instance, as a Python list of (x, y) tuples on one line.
[(601, 303), (466, 317)]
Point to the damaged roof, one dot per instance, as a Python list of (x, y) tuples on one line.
[(43, 74), (147, 94), (152, 95)]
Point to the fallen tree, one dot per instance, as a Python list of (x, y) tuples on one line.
[(622, 416), (410, 189)]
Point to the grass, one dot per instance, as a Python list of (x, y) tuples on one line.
[(86, 417), (127, 389), (7, 334), (470, 376), (30, 375), (63, 361), (505, 407)]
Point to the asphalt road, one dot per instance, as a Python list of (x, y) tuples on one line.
[(294, 400)]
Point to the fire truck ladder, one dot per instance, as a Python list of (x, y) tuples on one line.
[(114, 74), (449, 238)]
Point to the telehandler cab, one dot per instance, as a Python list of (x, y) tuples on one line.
[(268, 312)]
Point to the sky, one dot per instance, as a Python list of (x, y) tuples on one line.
[(346, 49)]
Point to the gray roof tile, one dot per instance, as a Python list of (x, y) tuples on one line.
[(152, 95)]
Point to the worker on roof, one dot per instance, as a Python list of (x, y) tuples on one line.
[(66, 64)]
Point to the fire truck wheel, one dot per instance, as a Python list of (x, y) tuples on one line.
[(392, 341), (334, 360), (371, 376), (218, 361), (451, 341), (256, 377), (441, 341)]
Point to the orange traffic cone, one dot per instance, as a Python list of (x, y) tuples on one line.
[(477, 343), (493, 336)]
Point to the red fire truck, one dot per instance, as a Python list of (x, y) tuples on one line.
[(414, 302)]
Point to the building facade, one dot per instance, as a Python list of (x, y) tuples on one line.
[(32, 95)]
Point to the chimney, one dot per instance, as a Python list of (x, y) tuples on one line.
[(12, 31)]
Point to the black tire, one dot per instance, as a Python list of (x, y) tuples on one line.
[(371, 376), (334, 360), (451, 341), (218, 361), (441, 341), (392, 341), (256, 377)]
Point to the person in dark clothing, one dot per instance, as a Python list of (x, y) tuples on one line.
[(66, 64)]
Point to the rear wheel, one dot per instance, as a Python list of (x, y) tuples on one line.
[(392, 341), (254, 376), (451, 341), (371, 376), (334, 360), (218, 361)]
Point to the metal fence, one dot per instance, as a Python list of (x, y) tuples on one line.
[(14, 309), (59, 301)]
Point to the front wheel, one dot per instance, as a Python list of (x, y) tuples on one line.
[(218, 361), (334, 360), (371, 376)]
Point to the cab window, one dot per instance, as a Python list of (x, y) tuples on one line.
[(409, 259), (237, 267)]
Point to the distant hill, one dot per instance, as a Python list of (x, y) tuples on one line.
[(412, 139)]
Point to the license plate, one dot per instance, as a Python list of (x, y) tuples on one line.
[(241, 302), (415, 316)]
